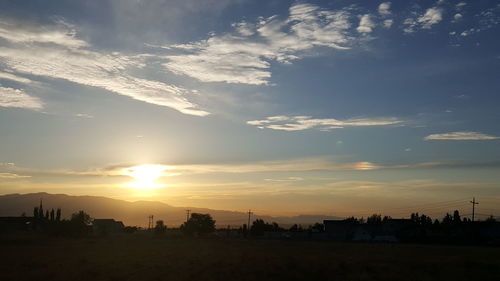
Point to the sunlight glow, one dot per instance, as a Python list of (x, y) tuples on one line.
[(146, 175)]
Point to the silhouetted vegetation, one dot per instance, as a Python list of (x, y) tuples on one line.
[(179, 257), (51, 223), (160, 227), (419, 228), (198, 224), (318, 227), (259, 227)]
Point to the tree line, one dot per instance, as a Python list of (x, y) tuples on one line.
[(51, 222)]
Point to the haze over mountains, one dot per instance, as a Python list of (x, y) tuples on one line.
[(133, 213)]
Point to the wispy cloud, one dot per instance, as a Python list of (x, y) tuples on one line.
[(245, 56), (324, 164), (289, 179), (84, 115), (13, 77), (167, 170), (62, 34), (292, 165), (12, 176), (298, 123), (460, 5), (10, 97), (54, 51), (461, 136)]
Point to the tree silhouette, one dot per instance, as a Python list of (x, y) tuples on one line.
[(35, 212), (259, 226), (198, 224), (52, 215), (374, 219), (352, 220), (80, 222), (40, 210), (456, 217), (58, 214), (296, 228), (491, 219), (448, 219), (81, 217), (318, 227), (276, 227), (160, 227)]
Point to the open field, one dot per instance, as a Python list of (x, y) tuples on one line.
[(137, 257)]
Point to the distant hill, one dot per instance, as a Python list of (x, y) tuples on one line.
[(133, 213)]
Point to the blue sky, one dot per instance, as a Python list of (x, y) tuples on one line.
[(285, 107)]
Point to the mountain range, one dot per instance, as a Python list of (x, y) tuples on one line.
[(134, 213)]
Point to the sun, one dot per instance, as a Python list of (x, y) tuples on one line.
[(146, 175)]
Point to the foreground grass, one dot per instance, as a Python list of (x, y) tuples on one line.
[(161, 258)]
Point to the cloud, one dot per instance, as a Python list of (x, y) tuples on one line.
[(54, 51), (432, 16), (457, 17), (410, 24), (289, 165), (244, 28), (245, 56), (289, 179), (460, 5), (10, 97), (365, 24), (384, 8), (62, 34), (469, 32), (388, 23), (298, 123), (84, 115), (12, 176), (292, 165), (12, 77), (461, 136)]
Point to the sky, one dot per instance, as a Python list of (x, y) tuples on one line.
[(283, 107)]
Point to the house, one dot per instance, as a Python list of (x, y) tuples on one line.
[(107, 226)]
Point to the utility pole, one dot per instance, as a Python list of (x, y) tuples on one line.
[(187, 214), (249, 214), (150, 222), (474, 203)]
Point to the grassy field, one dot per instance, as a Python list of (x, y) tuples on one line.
[(160, 258)]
